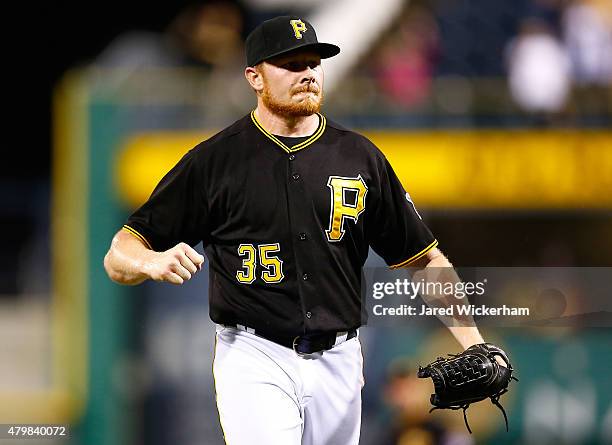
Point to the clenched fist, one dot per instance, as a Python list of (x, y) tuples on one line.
[(175, 265)]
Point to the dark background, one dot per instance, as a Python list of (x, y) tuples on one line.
[(42, 42)]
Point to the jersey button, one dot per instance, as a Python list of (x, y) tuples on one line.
[(291, 157), (308, 314), (305, 277), (296, 176), (302, 236)]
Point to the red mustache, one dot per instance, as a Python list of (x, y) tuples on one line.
[(312, 88)]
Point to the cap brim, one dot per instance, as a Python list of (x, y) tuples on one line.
[(325, 50)]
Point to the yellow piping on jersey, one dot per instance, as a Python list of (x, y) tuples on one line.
[(415, 257), (316, 135), (137, 235)]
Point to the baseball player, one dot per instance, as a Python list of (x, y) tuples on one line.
[(286, 203)]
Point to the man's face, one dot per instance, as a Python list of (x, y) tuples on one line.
[(293, 83)]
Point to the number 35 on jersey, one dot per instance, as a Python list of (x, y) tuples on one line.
[(263, 255)]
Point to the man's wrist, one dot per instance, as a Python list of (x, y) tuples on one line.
[(467, 335), (146, 264)]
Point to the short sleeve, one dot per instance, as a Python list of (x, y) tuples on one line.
[(397, 232), (176, 210)]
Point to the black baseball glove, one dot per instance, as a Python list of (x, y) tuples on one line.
[(469, 377)]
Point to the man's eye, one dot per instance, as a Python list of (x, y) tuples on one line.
[(300, 66), (294, 66)]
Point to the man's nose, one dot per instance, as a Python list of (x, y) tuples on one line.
[(308, 75)]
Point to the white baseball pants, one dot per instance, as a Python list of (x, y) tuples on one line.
[(268, 394)]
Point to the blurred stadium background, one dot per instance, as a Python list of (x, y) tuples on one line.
[(496, 114)]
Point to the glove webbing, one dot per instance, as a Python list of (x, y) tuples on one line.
[(464, 407)]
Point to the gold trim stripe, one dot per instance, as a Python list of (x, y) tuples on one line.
[(316, 135), (415, 257), (137, 235), (269, 135)]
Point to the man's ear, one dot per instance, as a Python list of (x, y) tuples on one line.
[(254, 77)]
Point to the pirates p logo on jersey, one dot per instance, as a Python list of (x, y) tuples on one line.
[(341, 208), (298, 28)]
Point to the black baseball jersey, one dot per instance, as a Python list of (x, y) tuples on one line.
[(286, 226)]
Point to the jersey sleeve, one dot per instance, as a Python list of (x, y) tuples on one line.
[(397, 232), (176, 210)]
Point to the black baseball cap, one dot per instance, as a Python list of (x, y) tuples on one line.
[(281, 35)]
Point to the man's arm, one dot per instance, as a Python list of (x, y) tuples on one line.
[(435, 260), (130, 261)]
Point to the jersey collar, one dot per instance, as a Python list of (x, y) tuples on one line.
[(316, 135)]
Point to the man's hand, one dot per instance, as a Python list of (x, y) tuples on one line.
[(129, 261), (175, 265)]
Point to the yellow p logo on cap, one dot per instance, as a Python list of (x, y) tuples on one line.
[(298, 28)]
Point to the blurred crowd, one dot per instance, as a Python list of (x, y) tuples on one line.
[(204, 35), (453, 57), (524, 62), (563, 59)]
